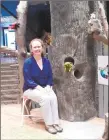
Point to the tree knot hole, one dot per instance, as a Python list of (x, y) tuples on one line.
[(77, 73)]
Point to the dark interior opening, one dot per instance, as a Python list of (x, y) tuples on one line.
[(69, 59), (38, 21), (77, 74)]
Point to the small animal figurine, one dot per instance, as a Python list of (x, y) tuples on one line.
[(94, 25)]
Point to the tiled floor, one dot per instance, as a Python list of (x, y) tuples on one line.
[(11, 127)]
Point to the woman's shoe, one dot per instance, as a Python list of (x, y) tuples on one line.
[(51, 129), (58, 128)]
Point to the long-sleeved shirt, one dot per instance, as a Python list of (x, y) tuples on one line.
[(34, 76)]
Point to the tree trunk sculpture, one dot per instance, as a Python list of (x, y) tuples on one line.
[(76, 89), (20, 38)]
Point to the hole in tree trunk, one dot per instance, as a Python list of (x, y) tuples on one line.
[(77, 74), (69, 59), (38, 21)]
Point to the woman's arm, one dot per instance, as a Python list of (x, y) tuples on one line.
[(50, 76), (27, 75)]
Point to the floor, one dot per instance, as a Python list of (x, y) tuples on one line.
[(11, 127)]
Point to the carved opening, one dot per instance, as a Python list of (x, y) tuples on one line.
[(38, 21), (69, 59), (77, 74)]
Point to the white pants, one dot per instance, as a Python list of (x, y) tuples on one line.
[(48, 103)]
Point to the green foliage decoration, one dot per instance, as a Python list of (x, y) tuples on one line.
[(68, 66)]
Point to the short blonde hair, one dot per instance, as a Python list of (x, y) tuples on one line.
[(36, 39)]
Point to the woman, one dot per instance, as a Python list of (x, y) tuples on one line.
[(38, 85)]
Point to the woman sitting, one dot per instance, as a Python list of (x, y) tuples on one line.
[(38, 85)]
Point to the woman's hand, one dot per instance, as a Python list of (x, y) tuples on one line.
[(40, 88), (48, 88)]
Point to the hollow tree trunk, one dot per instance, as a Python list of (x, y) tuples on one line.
[(69, 30), (20, 38)]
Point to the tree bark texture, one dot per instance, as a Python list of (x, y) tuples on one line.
[(20, 38), (76, 96)]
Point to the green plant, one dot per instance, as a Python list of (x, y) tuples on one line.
[(68, 66)]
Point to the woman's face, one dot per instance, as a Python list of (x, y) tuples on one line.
[(36, 48)]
